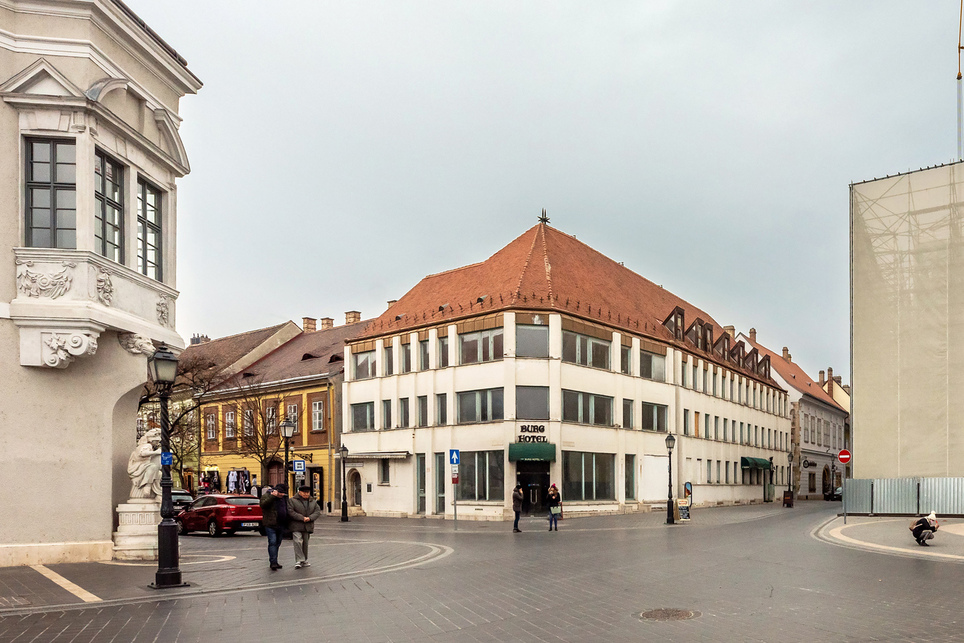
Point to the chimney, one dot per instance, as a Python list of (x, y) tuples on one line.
[(846, 387), (352, 316), (308, 324), (327, 323), (730, 330), (199, 339), (829, 373), (839, 380), (753, 335), (392, 302), (821, 379)]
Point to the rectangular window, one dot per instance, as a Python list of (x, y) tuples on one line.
[(403, 412), (653, 366), (51, 194), (108, 207), (480, 346), (715, 384), (532, 402), (479, 406), (625, 359), (654, 418), (696, 374), (271, 419), (440, 482), (587, 408), (709, 471), (706, 375), (587, 351), (248, 422), (531, 341), (229, 425), (363, 365), (443, 352), (726, 428), (423, 410), (588, 476), (812, 482), (211, 424), (716, 427), (627, 414), (686, 422), (293, 416), (683, 371), (148, 230), (384, 471), (441, 410), (706, 426), (386, 414), (482, 475), (363, 416), (742, 441), (423, 364), (726, 469), (406, 358), (630, 477), (388, 359), (318, 415)]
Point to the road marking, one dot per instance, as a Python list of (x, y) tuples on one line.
[(74, 589), (212, 558), (837, 533)]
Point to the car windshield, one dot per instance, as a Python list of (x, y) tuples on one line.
[(241, 501)]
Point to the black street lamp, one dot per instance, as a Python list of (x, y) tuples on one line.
[(287, 430), (670, 443), (344, 489), (790, 472), (162, 367)]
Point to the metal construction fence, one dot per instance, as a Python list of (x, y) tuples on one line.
[(904, 496)]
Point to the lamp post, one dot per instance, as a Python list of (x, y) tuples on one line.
[(790, 472), (162, 367), (344, 489), (670, 443), (287, 430)]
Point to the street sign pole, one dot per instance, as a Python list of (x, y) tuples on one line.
[(844, 457), (454, 458)]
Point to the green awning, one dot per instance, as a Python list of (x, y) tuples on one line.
[(544, 451), (754, 463)]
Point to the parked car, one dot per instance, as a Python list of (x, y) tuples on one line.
[(181, 499), (836, 494), (221, 514)]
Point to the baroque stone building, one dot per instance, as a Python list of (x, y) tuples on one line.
[(90, 153)]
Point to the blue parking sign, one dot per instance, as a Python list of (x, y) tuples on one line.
[(453, 456), (167, 458)]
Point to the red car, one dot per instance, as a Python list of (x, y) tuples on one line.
[(220, 513)]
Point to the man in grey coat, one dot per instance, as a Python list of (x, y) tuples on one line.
[(303, 511)]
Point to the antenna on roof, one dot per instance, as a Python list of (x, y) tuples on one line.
[(545, 219)]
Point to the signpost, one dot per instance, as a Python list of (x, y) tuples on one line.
[(844, 456), (454, 459)]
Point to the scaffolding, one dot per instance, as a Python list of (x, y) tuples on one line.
[(907, 324)]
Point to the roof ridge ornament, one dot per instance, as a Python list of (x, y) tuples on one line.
[(544, 218)]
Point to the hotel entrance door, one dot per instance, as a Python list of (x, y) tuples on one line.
[(533, 475)]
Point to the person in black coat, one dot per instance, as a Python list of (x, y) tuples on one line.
[(924, 529)]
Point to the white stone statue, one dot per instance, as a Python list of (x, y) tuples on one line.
[(144, 467)]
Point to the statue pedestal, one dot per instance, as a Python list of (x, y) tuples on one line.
[(136, 535)]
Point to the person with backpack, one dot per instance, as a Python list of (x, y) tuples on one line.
[(924, 529)]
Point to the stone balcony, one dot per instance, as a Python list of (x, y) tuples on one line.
[(67, 298)]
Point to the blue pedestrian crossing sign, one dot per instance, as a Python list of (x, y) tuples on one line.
[(453, 456), (298, 465)]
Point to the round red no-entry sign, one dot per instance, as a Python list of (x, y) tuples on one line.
[(844, 456)]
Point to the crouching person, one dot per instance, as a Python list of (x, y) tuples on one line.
[(924, 529)]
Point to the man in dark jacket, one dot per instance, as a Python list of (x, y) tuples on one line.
[(303, 511), (274, 518), (517, 507)]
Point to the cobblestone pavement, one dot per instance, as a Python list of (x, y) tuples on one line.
[(744, 574)]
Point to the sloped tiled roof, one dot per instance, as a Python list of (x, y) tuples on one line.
[(225, 352), (794, 375), (543, 269), (306, 354)]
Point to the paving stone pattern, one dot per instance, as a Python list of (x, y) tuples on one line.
[(753, 574)]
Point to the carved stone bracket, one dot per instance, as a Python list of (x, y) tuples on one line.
[(60, 349), (38, 284), (164, 311), (136, 344), (105, 288)]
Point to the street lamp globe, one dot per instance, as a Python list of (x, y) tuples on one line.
[(343, 450), (162, 365), (790, 457), (670, 441), (287, 428)]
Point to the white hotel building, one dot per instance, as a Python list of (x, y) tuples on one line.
[(551, 363)]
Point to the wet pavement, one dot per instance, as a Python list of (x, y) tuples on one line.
[(756, 573)]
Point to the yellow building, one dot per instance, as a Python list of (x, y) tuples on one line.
[(299, 381)]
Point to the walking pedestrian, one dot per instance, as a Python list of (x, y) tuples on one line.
[(924, 529), (517, 507), (274, 518), (553, 501), (303, 511)]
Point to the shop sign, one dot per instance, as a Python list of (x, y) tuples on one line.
[(533, 433)]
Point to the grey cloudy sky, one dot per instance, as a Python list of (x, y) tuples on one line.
[(340, 151)]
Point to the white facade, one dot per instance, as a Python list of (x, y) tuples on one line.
[(84, 290), (410, 453)]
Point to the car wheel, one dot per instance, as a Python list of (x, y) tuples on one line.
[(180, 528), (213, 530)]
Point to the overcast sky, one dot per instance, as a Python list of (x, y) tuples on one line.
[(342, 151)]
